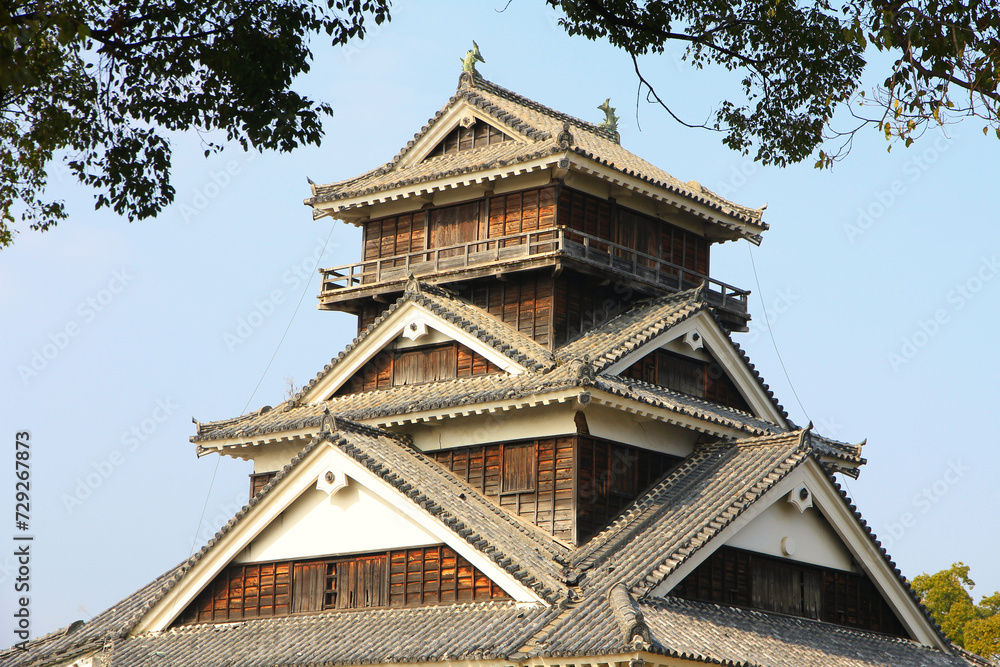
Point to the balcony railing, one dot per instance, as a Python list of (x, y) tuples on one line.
[(535, 245)]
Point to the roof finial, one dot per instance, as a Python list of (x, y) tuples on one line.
[(328, 422), (610, 122), (472, 56), (701, 291), (412, 285)]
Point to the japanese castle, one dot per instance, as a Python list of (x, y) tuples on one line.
[(542, 449)]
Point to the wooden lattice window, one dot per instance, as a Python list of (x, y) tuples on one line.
[(748, 579), (477, 135), (397, 578)]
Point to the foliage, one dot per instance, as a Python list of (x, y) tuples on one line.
[(947, 596), (103, 83), (801, 61)]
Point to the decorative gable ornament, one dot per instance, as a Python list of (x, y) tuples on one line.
[(694, 340), (333, 479), (801, 498)]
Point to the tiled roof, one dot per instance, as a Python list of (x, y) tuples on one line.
[(712, 488), (602, 346), (548, 133), (684, 404), (610, 342), (444, 303), (527, 553), (707, 491), (78, 639), (721, 635), (470, 631)]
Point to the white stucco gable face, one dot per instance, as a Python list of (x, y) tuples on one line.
[(701, 337), (411, 324), (795, 529), (353, 519)]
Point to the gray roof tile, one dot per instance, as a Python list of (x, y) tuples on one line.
[(544, 129), (602, 346)]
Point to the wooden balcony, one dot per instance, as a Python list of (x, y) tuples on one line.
[(519, 252)]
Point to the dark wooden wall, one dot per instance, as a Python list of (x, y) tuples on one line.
[(570, 486), (610, 477), (259, 480), (551, 310), (479, 134), (609, 221), (416, 365), (398, 578), (689, 376), (747, 579), (544, 470), (436, 227), (524, 302)]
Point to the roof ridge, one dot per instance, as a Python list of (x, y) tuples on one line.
[(517, 98), (699, 409)]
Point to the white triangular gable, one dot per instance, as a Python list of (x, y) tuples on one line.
[(823, 498), (325, 469), (462, 113), (701, 337), (352, 520), (794, 528), (410, 322)]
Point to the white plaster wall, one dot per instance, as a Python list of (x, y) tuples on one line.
[(549, 421), (678, 346), (274, 457), (354, 520), (432, 337), (536, 422), (815, 541), (588, 184), (605, 422), (533, 180)]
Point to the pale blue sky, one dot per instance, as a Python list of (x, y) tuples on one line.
[(888, 254)]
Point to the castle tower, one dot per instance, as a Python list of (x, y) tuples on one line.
[(541, 219), (543, 449)]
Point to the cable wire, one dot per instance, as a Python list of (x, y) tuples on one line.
[(760, 295), (302, 296)]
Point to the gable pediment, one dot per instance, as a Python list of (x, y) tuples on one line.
[(464, 124), (470, 133), (880, 598), (412, 344), (697, 357), (278, 524)]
